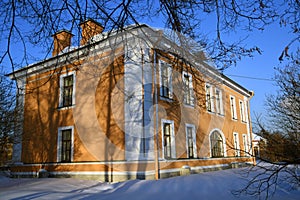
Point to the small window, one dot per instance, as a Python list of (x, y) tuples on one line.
[(217, 147), (188, 89), (256, 151), (243, 111), (233, 108), (219, 102), (246, 111), (168, 139), (166, 89), (236, 144), (209, 103), (245, 143), (191, 141), (67, 90), (65, 144)]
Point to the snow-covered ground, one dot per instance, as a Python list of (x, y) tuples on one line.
[(211, 185)]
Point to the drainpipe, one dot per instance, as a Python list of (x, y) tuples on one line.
[(155, 117), (250, 127)]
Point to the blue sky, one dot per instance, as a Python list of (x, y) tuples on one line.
[(260, 69)]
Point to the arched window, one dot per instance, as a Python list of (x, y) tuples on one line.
[(216, 143)]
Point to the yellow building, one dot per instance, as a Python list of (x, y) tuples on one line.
[(128, 104)]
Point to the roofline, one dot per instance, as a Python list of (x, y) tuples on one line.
[(227, 81), (38, 63), (12, 74), (231, 82)]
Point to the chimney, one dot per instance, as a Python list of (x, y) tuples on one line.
[(61, 40), (89, 28)]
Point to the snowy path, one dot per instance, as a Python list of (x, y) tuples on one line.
[(211, 185)]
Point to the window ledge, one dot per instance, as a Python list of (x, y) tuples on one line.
[(169, 159), (166, 99), (65, 107), (210, 112)]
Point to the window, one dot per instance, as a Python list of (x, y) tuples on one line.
[(168, 139), (188, 88), (219, 102), (217, 144), (233, 108), (245, 143), (65, 144), (246, 110), (236, 144), (209, 104), (166, 89), (242, 111), (191, 141), (65, 155), (256, 151), (67, 90)]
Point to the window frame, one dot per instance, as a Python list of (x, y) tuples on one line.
[(162, 88), (246, 109), (188, 89), (245, 143), (172, 139), (209, 101), (62, 87), (194, 147), (243, 111), (233, 107), (236, 144), (223, 143), (59, 143), (220, 108)]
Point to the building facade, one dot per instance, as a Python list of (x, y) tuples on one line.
[(128, 104)]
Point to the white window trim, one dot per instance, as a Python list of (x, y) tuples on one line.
[(173, 145), (221, 111), (237, 151), (242, 111), (233, 112), (60, 129), (211, 98), (170, 82), (246, 110), (61, 84), (194, 139), (245, 143), (224, 141), (190, 88)]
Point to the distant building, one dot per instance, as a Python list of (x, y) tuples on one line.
[(128, 104), (256, 142)]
